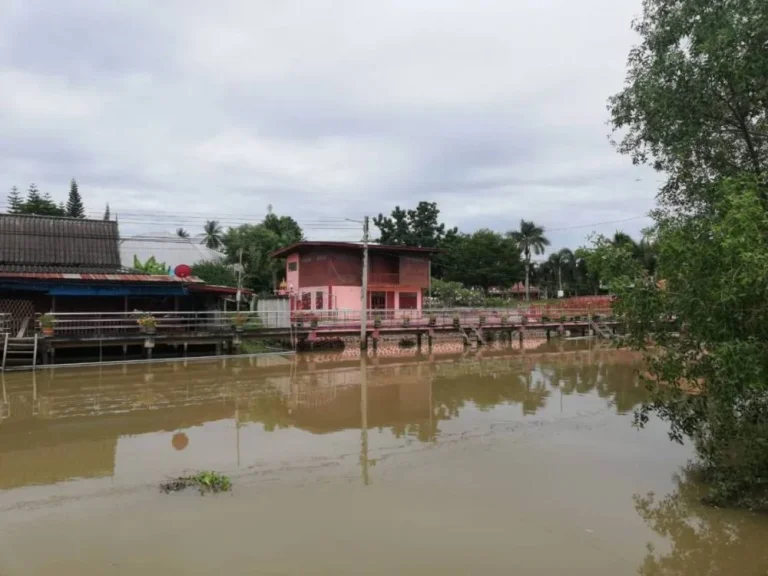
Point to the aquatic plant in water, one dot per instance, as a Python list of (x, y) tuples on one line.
[(206, 481)]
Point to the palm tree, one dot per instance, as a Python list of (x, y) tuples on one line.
[(559, 260), (530, 238), (181, 233), (213, 235)]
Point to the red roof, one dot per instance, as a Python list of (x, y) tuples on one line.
[(519, 288), (303, 246), (133, 278)]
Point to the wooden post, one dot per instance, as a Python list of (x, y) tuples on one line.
[(418, 341), (520, 335)]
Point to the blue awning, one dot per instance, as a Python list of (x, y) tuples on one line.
[(58, 289)]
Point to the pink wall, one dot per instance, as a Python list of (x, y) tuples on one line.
[(347, 297), (292, 277)]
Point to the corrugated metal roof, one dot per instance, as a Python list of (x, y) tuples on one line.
[(50, 241), (32, 269), (133, 278)]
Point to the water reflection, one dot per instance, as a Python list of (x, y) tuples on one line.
[(143, 421), (704, 540)]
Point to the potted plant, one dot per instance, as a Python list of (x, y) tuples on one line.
[(545, 319), (563, 318), (406, 321), (377, 321), (46, 324), (239, 320), (148, 324), (482, 319), (432, 319), (456, 321)]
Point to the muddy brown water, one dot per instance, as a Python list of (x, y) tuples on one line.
[(503, 462)]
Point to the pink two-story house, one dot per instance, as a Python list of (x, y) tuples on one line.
[(328, 275)]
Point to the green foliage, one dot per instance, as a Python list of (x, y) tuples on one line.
[(258, 241), (530, 239), (35, 203), (449, 294), (107, 215), (483, 259), (75, 208), (419, 227), (613, 263), (182, 233), (15, 201), (213, 235), (709, 327), (204, 481), (694, 105), (151, 266), (216, 273)]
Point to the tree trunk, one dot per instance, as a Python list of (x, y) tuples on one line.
[(527, 277), (559, 281)]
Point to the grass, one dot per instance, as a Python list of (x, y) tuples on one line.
[(206, 481)]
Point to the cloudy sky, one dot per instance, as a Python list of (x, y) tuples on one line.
[(178, 111)]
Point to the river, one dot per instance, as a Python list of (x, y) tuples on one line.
[(496, 462)]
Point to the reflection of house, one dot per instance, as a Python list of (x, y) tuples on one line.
[(328, 275)]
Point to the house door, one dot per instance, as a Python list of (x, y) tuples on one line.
[(378, 300)]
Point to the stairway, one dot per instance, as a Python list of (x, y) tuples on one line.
[(601, 330), (19, 352)]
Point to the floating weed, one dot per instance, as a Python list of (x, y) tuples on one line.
[(204, 481)]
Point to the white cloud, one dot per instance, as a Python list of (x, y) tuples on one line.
[(493, 109)]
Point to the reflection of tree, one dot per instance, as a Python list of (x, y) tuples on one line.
[(704, 540), (270, 409)]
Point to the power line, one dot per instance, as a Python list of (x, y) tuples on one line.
[(596, 223)]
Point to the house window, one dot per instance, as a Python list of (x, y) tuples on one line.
[(318, 300), (409, 300), (306, 301), (293, 266)]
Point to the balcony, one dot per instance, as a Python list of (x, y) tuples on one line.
[(383, 278)]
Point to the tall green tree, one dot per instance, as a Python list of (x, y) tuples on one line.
[(41, 205), (216, 273), (484, 259), (107, 215), (562, 260), (708, 324), (257, 242), (15, 201), (182, 233), (695, 104), (75, 208), (530, 240), (213, 235), (418, 227)]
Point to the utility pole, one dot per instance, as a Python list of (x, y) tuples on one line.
[(364, 295), (239, 280)]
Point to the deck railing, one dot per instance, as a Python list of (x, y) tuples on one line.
[(116, 324)]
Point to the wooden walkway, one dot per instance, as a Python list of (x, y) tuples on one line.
[(228, 331)]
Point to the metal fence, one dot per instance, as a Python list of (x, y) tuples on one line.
[(115, 324)]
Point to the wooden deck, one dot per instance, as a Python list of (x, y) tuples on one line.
[(227, 331)]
